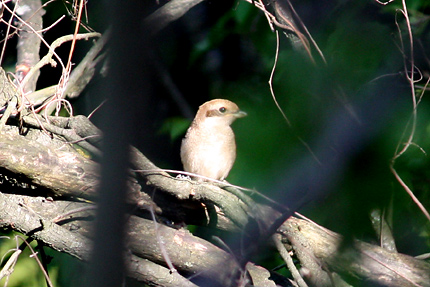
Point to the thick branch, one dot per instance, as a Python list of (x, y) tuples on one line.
[(38, 218), (16, 212), (67, 173), (34, 216), (61, 171), (360, 260)]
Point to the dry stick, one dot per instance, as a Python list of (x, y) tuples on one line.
[(72, 48), (411, 81), (277, 238), (271, 19), (271, 80), (65, 75), (52, 25), (291, 27), (7, 269), (161, 243), (305, 144), (384, 3), (47, 59), (58, 101), (261, 6), (73, 87), (9, 24), (423, 90), (70, 212), (410, 192), (307, 32), (96, 109), (34, 255)]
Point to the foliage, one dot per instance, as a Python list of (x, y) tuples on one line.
[(231, 56)]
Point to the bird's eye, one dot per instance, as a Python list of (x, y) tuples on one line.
[(222, 109)]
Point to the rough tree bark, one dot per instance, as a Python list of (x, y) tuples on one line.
[(64, 225), (48, 184)]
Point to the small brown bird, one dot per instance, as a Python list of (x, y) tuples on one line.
[(209, 147)]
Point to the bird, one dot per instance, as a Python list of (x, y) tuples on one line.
[(209, 146)]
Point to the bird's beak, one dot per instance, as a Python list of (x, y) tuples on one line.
[(240, 114)]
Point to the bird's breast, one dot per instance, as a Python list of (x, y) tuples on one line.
[(209, 153)]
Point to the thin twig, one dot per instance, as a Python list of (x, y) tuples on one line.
[(9, 24), (161, 244), (52, 25), (271, 80), (59, 95), (34, 255), (77, 210), (307, 32), (384, 3), (7, 269), (269, 17), (411, 80), (410, 192), (96, 109), (47, 59)]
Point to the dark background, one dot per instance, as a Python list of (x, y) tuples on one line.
[(225, 49)]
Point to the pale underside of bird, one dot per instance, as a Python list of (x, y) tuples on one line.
[(209, 146)]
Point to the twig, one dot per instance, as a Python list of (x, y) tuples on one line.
[(47, 59), (34, 255), (77, 210), (61, 88), (411, 80), (11, 262), (277, 238), (161, 243), (384, 3), (410, 192), (271, 80), (96, 109), (9, 24), (269, 16), (307, 32), (52, 25)]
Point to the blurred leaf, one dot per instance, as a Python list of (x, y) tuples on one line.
[(174, 127)]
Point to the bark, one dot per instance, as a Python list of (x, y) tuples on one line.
[(49, 169), (370, 263), (31, 12), (66, 227)]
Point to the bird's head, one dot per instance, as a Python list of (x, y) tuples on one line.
[(219, 112)]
